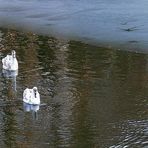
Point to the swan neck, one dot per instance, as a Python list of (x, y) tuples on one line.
[(13, 56), (35, 94)]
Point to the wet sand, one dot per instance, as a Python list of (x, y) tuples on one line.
[(131, 46)]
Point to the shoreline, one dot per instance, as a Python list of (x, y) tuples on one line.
[(130, 46)]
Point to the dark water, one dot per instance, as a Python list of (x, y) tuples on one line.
[(91, 97), (115, 23)]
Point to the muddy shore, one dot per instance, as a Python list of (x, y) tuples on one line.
[(11, 38)]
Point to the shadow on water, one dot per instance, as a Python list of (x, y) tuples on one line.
[(90, 96)]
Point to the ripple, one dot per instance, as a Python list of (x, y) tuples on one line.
[(133, 134), (93, 96), (12, 9), (40, 15)]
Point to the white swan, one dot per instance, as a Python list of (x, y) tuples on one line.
[(31, 96), (10, 62)]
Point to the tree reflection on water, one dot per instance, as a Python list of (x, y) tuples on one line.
[(93, 96)]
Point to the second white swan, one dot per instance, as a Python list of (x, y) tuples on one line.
[(31, 96)]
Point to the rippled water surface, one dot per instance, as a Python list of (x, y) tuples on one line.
[(90, 96)]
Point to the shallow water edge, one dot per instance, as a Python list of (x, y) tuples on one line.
[(131, 46)]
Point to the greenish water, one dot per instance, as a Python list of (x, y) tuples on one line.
[(90, 96)]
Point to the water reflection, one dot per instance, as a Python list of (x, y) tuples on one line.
[(31, 108), (95, 97), (8, 127), (11, 75), (9, 88)]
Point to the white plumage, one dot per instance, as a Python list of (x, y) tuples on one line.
[(10, 62), (31, 96)]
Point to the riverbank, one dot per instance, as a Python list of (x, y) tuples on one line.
[(7, 37), (14, 39)]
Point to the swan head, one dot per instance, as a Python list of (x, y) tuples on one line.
[(13, 53), (35, 88)]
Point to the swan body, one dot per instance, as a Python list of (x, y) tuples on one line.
[(10, 62), (31, 96)]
